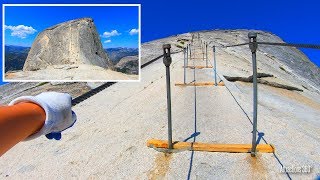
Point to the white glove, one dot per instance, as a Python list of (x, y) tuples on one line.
[(59, 115)]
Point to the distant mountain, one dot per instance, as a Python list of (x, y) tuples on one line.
[(128, 65), (116, 54), (15, 56)]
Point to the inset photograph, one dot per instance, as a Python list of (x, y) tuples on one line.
[(71, 42)]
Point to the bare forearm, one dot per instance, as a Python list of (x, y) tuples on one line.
[(17, 122)]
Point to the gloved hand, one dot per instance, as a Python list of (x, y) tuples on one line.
[(59, 115)]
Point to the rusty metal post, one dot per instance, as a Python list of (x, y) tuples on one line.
[(167, 61), (253, 47)]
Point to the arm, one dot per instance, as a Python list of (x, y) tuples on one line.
[(29, 117), (18, 122)]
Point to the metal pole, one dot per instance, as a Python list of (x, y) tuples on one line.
[(190, 50), (188, 54), (167, 61), (253, 47), (215, 66), (184, 66), (207, 54), (202, 48)]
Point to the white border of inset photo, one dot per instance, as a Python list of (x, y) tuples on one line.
[(3, 42)]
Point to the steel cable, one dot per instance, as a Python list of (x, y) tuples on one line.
[(312, 46), (96, 90), (234, 45), (90, 93)]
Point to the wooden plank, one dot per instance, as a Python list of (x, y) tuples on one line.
[(198, 67), (198, 58), (197, 54), (199, 84), (197, 146), (196, 51)]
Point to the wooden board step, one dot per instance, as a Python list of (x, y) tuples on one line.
[(200, 84), (198, 67), (197, 58), (198, 146)]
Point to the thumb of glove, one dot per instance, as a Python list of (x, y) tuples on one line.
[(54, 135)]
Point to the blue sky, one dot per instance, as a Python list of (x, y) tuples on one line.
[(294, 21), (119, 20)]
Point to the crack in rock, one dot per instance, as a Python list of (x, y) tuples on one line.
[(261, 81)]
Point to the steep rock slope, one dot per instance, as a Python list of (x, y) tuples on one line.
[(115, 124), (287, 61), (72, 42)]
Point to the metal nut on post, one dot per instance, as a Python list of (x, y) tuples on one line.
[(253, 41), (166, 54), (252, 34)]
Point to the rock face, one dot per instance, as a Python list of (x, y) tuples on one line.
[(72, 42), (286, 63), (128, 65), (290, 120)]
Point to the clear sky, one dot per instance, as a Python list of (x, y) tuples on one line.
[(114, 24), (294, 21)]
